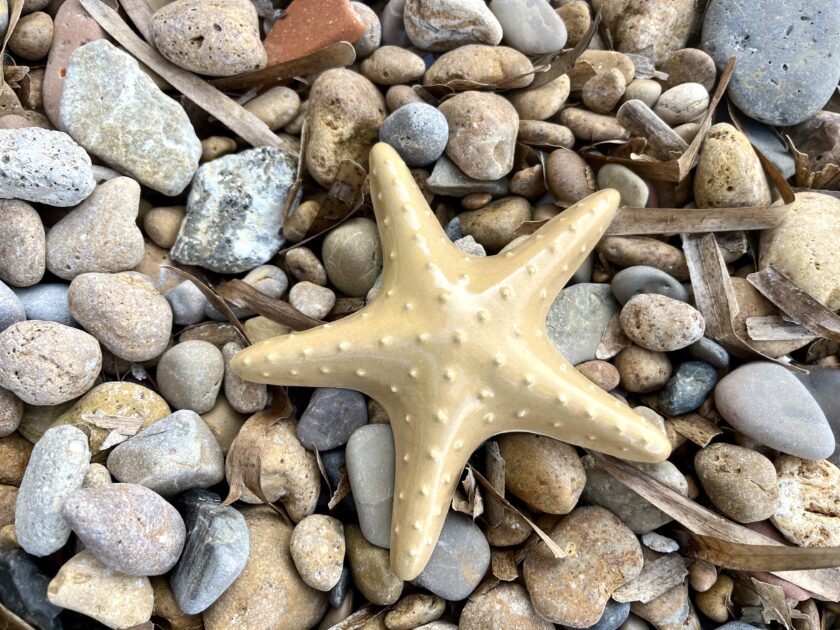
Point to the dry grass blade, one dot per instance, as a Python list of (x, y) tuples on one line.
[(342, 490), (657, 577), (15, 7), (796, 303), (231, 114), (503, 564), (359, 619), (244, 295), (695, 427), (776, 328), (141, 15), (470, 503), (825, 583)]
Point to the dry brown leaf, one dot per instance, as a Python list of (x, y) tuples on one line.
[(777, 328), (15, 7), (796, 303), (494, 464), (774, 605), (657, 576), (613, 340), (828, 177), (359, 618), (469, 503), (342, 490), (244, 295), (322, 469), (695, 427), (503, 564)]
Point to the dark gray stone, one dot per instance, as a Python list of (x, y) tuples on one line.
[(339, 591), (578, 318), (234, 211), (787, 55), (688, 387), (643, 279), (331, 417), (47, 302), (767, 403), (370, 467), (215, 553), (334, 462), (709, 351), (615, 614), (23, 590), (447, 179), (11, 308), (454, 230), (824, 384), (418, 132)]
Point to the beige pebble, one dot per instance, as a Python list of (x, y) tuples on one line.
[(596, 61), (260, 328), (22, 244), (628, 251), (317, 547), (304, 265), (569, 177), (576, 17), (153, 265), (715, 602), (493, 225), (96, 476), (528, 182), (476, 63), (414, 610), (642, 370), (312, 300), (541, 133), (392, 65), (297, 225), (399, 95), (352, 256), (670, 611), (809, 492), (216, 146), (602, 92), (687, 131), (276, 108), (166, 607), (682, 103), (244, 396), (751, 303), (32, 36), (645, 90), (506, 606), (702, 575), (370, 567), (602, 373), (224, 421), (660, 323), (689, 65), (162, 224), (592, 127), (653, 28), (541, 103)]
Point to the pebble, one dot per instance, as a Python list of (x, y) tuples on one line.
[(632, 188), (224, 421), (276, 107), (592, 127), (187, 303), (596, 61), (330, 418), (530, 26), (660, 323), (113, 108), (459, 561), (400, 95), (341, 592), (577, 19), (22, 244), (801, 247), (46, 363), (702, 575), (670, 611), (822, 383), (628, 251), (11, 308), (615, 614), (24, 590), (468, 245), (289, 472), (317, 548), (806, 513), (768, 404), (682, 103), (574, 591), (177, 453), (688, 388), (603, 374), (370, 470), (268, 593), (115, 398), (162, 224), (545, 473), (480, 64), (215, 553), (500, 608), (577, 320), (352, 256), (634, 511), (127, 527), (643, 27), (47, 301), (96, 476), (87, 586), (123, 311), (304, 265), (689, 65), (482, 134), (345, 113), (32, 36), (218, 38), (234, 213), (645, 90), (729, 173), (641, 279), (603, 91), (540, 133), (740, 482), (541, 103), (370, 567), (569, 177), (11, 412), (715, 602), (44, 166), (414, 610), (440, 25), (216, 146), (448, 179), (189, 375), (493, 225), (392, 65), (370, 41), (418, 132), (55, 471), (785, 71), (244, 396)]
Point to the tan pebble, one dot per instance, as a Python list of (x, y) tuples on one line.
[(682, 103), (569, 177), (809, 492), (656, 28), (224, 421), (414, 610), (399, 95), (670, 611), (628, 251), (32, 36), (244, 396), (276, 108), (645, 90), (8, 500), (260, 328), (702, 575), (541, 133), (602, 92), (689, 65), (529, 182), (162, 224), (31, 91), (729, 173), (8, 536), (603, 374), (576, 17), (317, 548), (304, 265), (541, 103), (14, 456), (715, 602), (493, 225), (370, 568), (96, 476), (476, 63), (392, 65), (22, 244), (11, 412), (166, 607), (596, 61), (592, 127), (660, 323), (297, 225), (687, 131), (153, 265), (506, 606), (216, 146), (476, 201), (693, 486)]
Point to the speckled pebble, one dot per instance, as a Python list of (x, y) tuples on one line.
[(190, 375), (578, 318), (370, 41), (352, 257), (682, 103), (392, 65), (806, 511), (331, 416), (244, 396), (317, 548), (370, 567), (312, 300), (493, 225), (603, 374), (504, 607), (691, 383), (414, 610), (660, 323), (445, 24), (22, 244), (418, 131)]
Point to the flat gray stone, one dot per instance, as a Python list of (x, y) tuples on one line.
[(769, 144), (578, 318), (691, 383), (331, 417), (56, 469), (215, 553), (47, 302), (643, 279), (187, 303), (767, 403), (234, 211), (459, 561), (370, 468), (787, 55), (448, 179), (11, 308), (114, 109), (530, 26), (44, 166), (170, 456)]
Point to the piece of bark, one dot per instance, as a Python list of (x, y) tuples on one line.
[(664, 143)]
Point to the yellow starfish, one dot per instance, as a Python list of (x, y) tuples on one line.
[(455, 349)]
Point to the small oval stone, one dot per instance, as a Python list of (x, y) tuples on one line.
[(189, 375), (690, 65), (22, 244), (602, 92), (632, 188), (642, 370), (603, 374), (645, 90), (530, 26), (505, 606), (244, 396), (440, 25), (47, 301), (688, 388), (541, 103), (627, 251), (11, 412), (162, 224), (331, 416), (660, 323), (418, 132), (481, 64), (569, 177), (592, 127), (370, 469), (276, 108), (370, 41), (371, 569), (493, 225), (414, 611), (317, 548), (682, 103), (304, 265), (352, 256), (312, 300), (392, 65)]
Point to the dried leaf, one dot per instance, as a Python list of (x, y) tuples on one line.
[(470, 503), (323, 470), (503, 564), (359, 619), (821, 349), (774, 605), (776, 328), (613, 340), (234, 116), (15, 7), (494, 464), (244, 295), (695, 427), (342, 490), (796, 303), (657, 576)]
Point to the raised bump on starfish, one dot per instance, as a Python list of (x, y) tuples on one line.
[(454, 348)]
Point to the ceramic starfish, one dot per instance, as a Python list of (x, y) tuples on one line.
[(455, 348)]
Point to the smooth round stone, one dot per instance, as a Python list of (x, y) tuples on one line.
[(615, 614), (312, 300), (414, 610), (304, 265), (687, 65), (631, 187), (503, 607), (11, 308), (178, 453), (481, 64), (370, 41), (741, 483), (660, 323), (418, 131), (56, 469), (768, 404), (244, 396), (645, 90), (352, 256), (786, 55), (96, 476), (370, 468), (603, 374), (400, 95), (673, 608), (189, 375), (459, 561), (392, 65), (341, 591), (276, 108), (331, 417), (541, 103), (127, 527), (162, 224), (603, 91), (493, 226), (530, 26), (568, 176), (643, 279), (370, 567), (440, 25), (22, 244), (187, 303), (627, 251), (577, 320), (682, 103), (48, 302), (709, 351), (642, 370), (808, 492), (45, 363), (317, 548), (691, 383)]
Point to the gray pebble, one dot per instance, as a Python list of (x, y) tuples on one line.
[(187, 303), (691, 383), (312, 300), (339, 591), (578, 318), (244, 396), (11, 308), (709, 351), (370, 468), (454, 230), (189, 375), (643, 279), (331, 418), (632, 188), (769, 144), (447, 179), (47, 302), (370, 41), (530, 26), (56, 469), (615, 614), (418, 132)]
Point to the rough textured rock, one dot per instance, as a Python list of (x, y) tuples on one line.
[(317, 548), (190, 375), (418, 131), (501, 608), (56, 470), (11, 308), (44, 166), (370, 469), (639, 25), (113, 109), (660, 323), (127, 527), (578, 318), (493, 226), (22, 244), (440, 25), (331, 417), (234, 211), (688, 388), (806, 513), (480, 64)]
